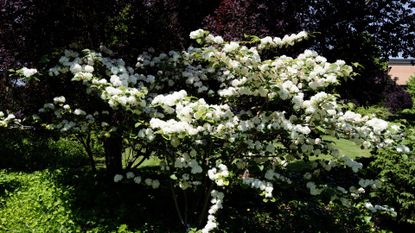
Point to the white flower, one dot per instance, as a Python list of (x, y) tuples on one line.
[(269, 175), (28, 72), (75, 68), (118, 178), (49, 106), (266, 40), (231, 47), (155, 184), (137, 179), (313, 188), (89, 69), (79, 112), (60, 99), (218, 39), (370, 207), (130, 175), (115, 80), (196, 168), (10, 117), (148, 181), (197, 34), (378, 125), (402, 149)]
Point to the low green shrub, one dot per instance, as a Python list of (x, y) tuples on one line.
[(31, 202), (31, 151), (396, 172), (378, 111)]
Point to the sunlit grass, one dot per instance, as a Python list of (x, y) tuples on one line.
[(349, 148)]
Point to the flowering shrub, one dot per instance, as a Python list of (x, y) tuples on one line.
[(219, 115), (9, 119)]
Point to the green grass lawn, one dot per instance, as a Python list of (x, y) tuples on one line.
[(31, 202), (349, 148)]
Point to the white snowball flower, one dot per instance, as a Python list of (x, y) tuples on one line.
[(148, 181), (118, 178), (197, 34), (402, 149), (115, 80), (218, 39), (378, 125), (75, 68), (89, 69), (231, 47), (130, 175), (137, 179), (155, 184), (79, 112), (28, 72), (60, 99)]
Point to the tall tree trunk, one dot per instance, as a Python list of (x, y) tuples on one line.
[(113, 154), (90, 153)]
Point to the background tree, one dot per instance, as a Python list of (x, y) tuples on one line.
[(366, 32)]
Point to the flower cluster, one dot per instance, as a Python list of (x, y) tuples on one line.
[(314, 189), (277, 42), (265, 187), (28, 72), (10, 119), (217, 200), (219, 175), (153, 183), (381, 208)]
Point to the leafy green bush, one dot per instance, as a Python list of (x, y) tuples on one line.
[(411, 86), (23, 150), (34, 204), (378, 111), (396, 172)]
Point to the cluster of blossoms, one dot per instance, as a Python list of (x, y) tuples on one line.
[(265, 187), (120, 90), (153, 183), (314, 190), (69, 119), (28, 72), (380, 208), (217, 199), (220, 111), (219, 175), (277, 42), (5, 121)]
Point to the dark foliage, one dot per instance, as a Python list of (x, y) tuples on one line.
[(356, 31), (32, 31), (397, 99), (32, 151), (33, 28)]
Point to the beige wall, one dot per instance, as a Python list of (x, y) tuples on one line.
[(402, 72)]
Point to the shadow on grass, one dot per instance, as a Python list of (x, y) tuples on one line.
[(298, 212), (100, 205), (24, 151), (6, 187)]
